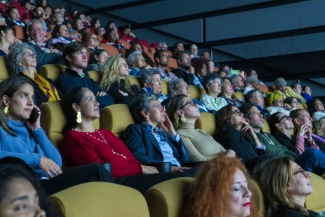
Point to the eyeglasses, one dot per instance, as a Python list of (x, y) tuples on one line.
[(27, 54), (157, 106), (303, 172), (237, 113), (184, 86), (141, 59), (93, 38), (165, 56), (284, 117), (188, 103)]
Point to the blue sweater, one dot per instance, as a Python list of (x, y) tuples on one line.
[(30, 149)]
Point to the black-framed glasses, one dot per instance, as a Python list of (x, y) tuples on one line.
[(188, 103), (237, 113), (284, 117), (303, 172)]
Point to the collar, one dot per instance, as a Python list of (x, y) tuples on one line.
[(75, 73), (151, 128), (187, 126)]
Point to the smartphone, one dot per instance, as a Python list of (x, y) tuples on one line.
[(34, 115)]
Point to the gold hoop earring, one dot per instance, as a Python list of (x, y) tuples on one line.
[(79, 119), (183, 119), (6, 110)]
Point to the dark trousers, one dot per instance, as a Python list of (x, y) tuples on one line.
[(145, 181), (76, 176)]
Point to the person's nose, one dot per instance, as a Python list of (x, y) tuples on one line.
[(39, 212), (247, 193)]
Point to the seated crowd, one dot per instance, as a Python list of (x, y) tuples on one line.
[(164, 129)]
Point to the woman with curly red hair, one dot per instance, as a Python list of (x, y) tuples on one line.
[(220, 189)]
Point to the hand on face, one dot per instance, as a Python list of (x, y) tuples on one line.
[(37, 124), (167, 126)]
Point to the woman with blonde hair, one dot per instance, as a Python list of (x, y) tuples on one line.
[(115, 82), (220, 189), (319, 128), (285, 186)]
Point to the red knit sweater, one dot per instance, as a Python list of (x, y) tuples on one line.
[(80, 148)]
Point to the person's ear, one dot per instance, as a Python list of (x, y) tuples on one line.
[(208, 86), (180, 112), (146, 85), (277, 125), (296, 121), (5, 100), (145, 115), (3, 34), (96, 57), (157, 59), (67, 57), (75, 107), (247, 120)]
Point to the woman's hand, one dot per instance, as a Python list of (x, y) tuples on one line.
[(167, 126), (149, 169), (287, 106), (37, 124), (247, 128), (179, 169), (302, 131), (49, 166)]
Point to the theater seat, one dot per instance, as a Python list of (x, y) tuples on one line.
[(111, 50), (95, 75), (3, 68), (206, 122), (134, 80), (315, 201), (116, 118), (125, 44), (19, 33), (266, 128), (196, 92), (53, 121), (100, 199), (52, 71), (263, 88), (238, 95), (173, 63), (164, 87)]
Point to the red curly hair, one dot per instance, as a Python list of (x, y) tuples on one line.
[(209, 194)]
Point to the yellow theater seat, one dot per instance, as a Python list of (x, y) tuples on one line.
[(116, 118), (134, 80), (206, 122), (164, 87), (266, 128), (315, 201), (95, 75), (52, 71), (196, 92), (100, 199), (238, 95), (4, 73)]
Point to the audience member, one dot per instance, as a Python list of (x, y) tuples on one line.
[(285, 186), (95, 23), (162, 46), (226, 68), (39, 14), (58, 19), (178, 49), (310, 160), (2, 20), (91, 41), (98, 60), (256, 96), (75, 58), (138, 63), (221, 176), (201, 67), (251, 83), (319, 128), (179, 86), (316, 109), (7, 39), (162, 61), (183, 113), (232, 131), (151, 81), (275, 104), (193, 50), (21, 60), (284, 91), (114, 80), (60, 37), (252, 72), (13, 17), (138, 47), (147, 141), (111, 38), (85, 145), (205, 55), (31, 143), (296, 87), (28, 13), (306, 93), (211, 66), (185, 70), (291, 102), (238, 82), (212, 87), (127, 35), (44, 55), (100, 31), (227, 92)]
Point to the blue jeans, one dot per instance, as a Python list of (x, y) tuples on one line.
[(312, 160)]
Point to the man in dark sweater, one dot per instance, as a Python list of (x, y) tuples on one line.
[(311, 160), (185, 69), (75, 58)]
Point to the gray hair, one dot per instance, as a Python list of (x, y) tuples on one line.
[(133, 55), (30, 24), (234, 78), (208, 79), (14, 57), (251, 94), (141, 102), (2, 18), (173, 86), (146, 75), (161, 43)]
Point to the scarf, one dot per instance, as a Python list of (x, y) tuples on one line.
[(42, 46)]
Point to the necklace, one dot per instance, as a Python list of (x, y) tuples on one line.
[(102, 140)]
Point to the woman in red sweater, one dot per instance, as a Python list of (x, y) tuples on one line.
[(85, 145)]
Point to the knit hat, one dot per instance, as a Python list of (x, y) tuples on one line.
[(250, 79), (271, 96), (280, 82)]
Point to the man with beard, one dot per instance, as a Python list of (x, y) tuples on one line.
[(162, 61)]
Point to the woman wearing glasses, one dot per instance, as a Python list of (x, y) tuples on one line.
[(285, 186), (21, 60), (115, 82), (183, 113), (234, 132), (92, 42), (153, 138)]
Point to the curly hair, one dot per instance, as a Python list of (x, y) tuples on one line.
[(14, 57), (209, 194), (274, 176), (318, 126), (172, 106), (173, 86), (110, 74)]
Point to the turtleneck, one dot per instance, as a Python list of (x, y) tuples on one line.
[(187, 126)]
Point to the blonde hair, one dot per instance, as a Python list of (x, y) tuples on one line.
[(110, 74), (318, 125)]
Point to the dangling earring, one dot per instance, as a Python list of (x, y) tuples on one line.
[(79, 119), (280, 128), (6, 110), (183, 119)]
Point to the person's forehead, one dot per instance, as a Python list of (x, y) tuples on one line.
[(254, 109), (37, 25)]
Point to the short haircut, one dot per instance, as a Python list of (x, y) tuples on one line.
[(294, 85), (157, 54), (31, 23), (161, 43), (133, 55), (249, 71), (70, 49), (250, 94), (246, 109), (173, 86), (146, 75), (208, 79), (141, 102)]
